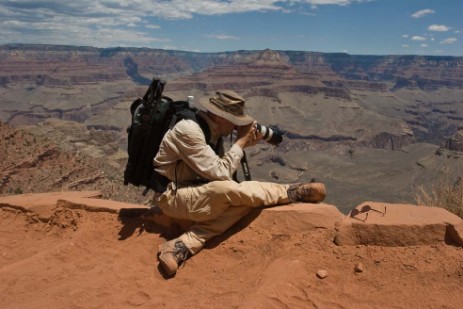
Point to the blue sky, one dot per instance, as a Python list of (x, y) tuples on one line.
[(374, 27)]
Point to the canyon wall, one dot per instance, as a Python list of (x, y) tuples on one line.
[(65, 65)]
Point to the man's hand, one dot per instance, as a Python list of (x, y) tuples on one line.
[(248, 135)]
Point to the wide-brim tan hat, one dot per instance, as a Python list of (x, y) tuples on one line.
[(229, 105)]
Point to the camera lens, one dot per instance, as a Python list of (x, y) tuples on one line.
[(271, 136)]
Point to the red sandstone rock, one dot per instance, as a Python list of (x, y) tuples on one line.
[(322, 274), (92, 204), (299, 217), (43, 204), (89, 255), (384, 224), (456, 233)]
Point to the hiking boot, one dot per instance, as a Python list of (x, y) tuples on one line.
[(307, 192), (171, 255)]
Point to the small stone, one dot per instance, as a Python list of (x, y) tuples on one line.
[(322, 274), (358, 268)]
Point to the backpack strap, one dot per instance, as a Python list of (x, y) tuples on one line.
[(245, 167), (207, 132)]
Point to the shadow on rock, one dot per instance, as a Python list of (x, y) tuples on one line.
[(149, 220), (237, 227)]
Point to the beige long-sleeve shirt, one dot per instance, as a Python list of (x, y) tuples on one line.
[(185, 157)]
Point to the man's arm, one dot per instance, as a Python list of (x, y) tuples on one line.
[(190, 144)]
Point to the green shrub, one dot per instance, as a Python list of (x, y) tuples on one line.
[(18, 191)]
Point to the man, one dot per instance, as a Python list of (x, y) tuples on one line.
[(202, 188)]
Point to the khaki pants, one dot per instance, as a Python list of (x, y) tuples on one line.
[(217, 205)]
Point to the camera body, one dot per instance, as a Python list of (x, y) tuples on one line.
[(271, 136)]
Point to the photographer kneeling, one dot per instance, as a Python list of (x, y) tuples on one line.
[(202, 188)]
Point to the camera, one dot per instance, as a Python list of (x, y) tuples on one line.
[(271, 136)]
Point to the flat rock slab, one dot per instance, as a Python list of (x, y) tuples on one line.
[(299, 217), (102, 205), (43, 204), (382, 224), (292, 218)]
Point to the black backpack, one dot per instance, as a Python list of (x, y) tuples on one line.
[(152, 116)]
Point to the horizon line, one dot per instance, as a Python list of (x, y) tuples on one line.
[(222, 52)]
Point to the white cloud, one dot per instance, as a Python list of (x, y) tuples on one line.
[(422, 13), (449, 41), (418, 38), (86, 22), (222, 37), (405, 36), (96, 22), (439, 28), (103, 32), (149, 26), (406, 46), (104, 23), (424, 45), (181, 9), (315, 3), (328, 2)]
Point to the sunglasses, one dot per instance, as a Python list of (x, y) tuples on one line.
[(365, 210)]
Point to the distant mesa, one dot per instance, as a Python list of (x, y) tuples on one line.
[(269, 57)]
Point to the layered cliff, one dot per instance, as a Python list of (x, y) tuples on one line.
[(64, 65), (424, 72), (317, 97)]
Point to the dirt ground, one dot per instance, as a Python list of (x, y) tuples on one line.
[(82, 259)]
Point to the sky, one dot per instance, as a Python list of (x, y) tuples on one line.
[(357, 27)]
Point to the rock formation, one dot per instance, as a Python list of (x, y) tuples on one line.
[(455, 142), (382, 224), (74, 249), (55, 65), (39, 163), (83, 73)]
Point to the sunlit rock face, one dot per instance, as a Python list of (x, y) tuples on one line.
[(455, 142)]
